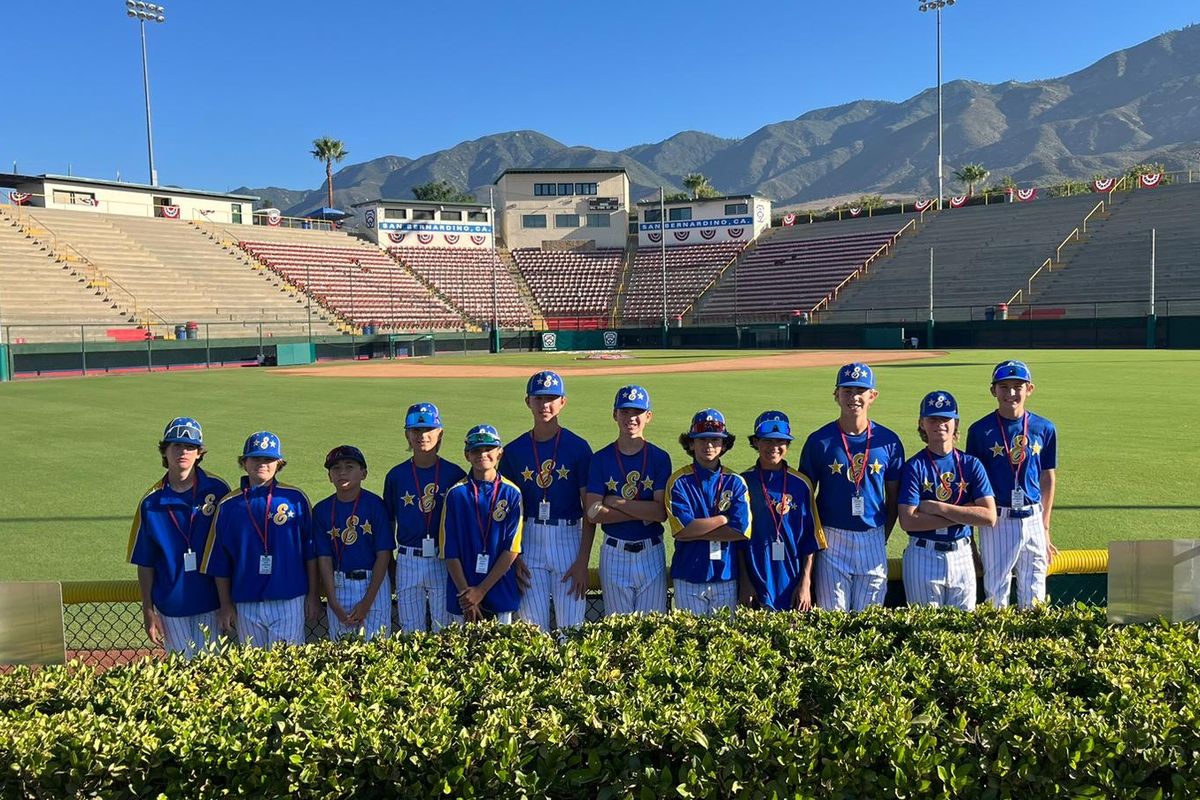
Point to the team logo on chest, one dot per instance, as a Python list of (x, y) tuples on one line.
[(1017, 454), (210, 505), (630, 490), (428, 498), (785, 505), (726, 500), (943, 489), (857, 465), (545, 474), (283, 512), (500, 512)]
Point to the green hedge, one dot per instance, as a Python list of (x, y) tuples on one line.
[(896, 703)]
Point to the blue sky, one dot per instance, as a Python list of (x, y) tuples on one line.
[(240, 89)]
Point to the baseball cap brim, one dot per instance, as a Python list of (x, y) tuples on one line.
[(421, 421), (944, 414), (855, 384), (774, 435)]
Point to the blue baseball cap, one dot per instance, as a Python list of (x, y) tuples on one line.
[(423, 415), (183, 430), (263, 444), (546, 384), (939, 404), (482, 436), (708, 423), (856, 374), (345, 451), (1012, 371), (773, 425), (632, 397)]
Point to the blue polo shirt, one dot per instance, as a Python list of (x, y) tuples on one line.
[(235, 542), (554, 470), (1013, 456), (694, 492), (498, 507), (791, 519), (166, 525), (635, 477), (352, 533), (834, 473), (416, 503), (959, 478)]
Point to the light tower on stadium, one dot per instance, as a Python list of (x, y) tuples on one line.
[(143, 13), (936, 6)]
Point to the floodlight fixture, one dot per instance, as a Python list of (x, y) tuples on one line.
[(145, 12)]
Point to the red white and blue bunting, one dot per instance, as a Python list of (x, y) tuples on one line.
[(789, 220), (923, 205), (1103, 184), (736, 233), (274, 218), (19, 198), (396, 238), (959, 201), (655, 237), (170, 212), (478, 240), (682, 236), (424, 238), (1026, 195), (854, 212), (1150, 181), (707, 233)]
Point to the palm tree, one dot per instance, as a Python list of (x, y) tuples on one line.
[(329, 150), (971, 174), (699, 186)]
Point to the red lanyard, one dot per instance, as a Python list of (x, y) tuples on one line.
[(538, 461), (1016, 468), (713, 505), (957, 469), (334, 534), (850, 458), (437, 471), (776, 517), (187, 537), (483, 529), (621, 464), (262, 532)]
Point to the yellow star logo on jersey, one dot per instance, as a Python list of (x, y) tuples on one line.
[(997, 450), (1036, 448), (648, 483), (334, 533), (366, 528), (875, 467), (408, 498), (563, 472), (962, 486), (835, 468), (527, 474), (927, 485), (611, 483)]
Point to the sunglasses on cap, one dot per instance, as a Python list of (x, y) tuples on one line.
[(708, 426), (183, 432)]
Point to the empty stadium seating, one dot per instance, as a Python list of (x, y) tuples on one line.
[(573, 288), (465, 276), (357, 281), (689, 270)]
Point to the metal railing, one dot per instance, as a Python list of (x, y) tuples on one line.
[(882, 251)]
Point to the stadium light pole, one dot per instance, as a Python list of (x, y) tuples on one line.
[(662, 229), (936, 6), (495, 285), (143, 13)]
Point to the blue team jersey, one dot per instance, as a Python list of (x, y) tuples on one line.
[(166, 525), (834, 473), (694, 492), (956, 478), (352, 533), (235, 543), (555, 470), (791, 519), (1008, 451), (635, 477), (416, 504), (468, 504)]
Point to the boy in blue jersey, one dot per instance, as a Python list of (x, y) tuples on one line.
[(179, 603), (415, 491), (708, 509), (1019, 450), (481, 535), (775, 565), (549, 464), (260, 552), (354, 554), (626, 486), (854, 465), (943, 493)]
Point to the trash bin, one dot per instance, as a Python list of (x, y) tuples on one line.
[(1002, 311), (368, 329), (989, 314), (193, 329), (180, 331)]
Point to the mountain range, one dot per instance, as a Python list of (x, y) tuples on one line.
[(1135, 105)]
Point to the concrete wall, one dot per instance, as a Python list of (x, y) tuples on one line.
[(709, 222), (393, 225), (135, 201), (517, 199)]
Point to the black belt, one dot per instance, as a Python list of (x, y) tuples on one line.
[(1018, 513), (416, 552), (633, 547), (356, 574), (941, 547)]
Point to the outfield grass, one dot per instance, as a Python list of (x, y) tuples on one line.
[(79, 453)]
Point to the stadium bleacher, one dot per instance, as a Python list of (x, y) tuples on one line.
[(573, 288), (465, 276), (690, 269)]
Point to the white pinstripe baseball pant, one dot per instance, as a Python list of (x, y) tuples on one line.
[(633, 583), (935, 577), (705, 598), (502, 618), (420, 585), (1014, 544), (851, 572), (271, 622), (549, 550), (189, 635), (379, 618)]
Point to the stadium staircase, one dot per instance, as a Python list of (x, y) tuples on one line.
[(1112, 264), (982, 254), (618, 306), (523, 289)]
